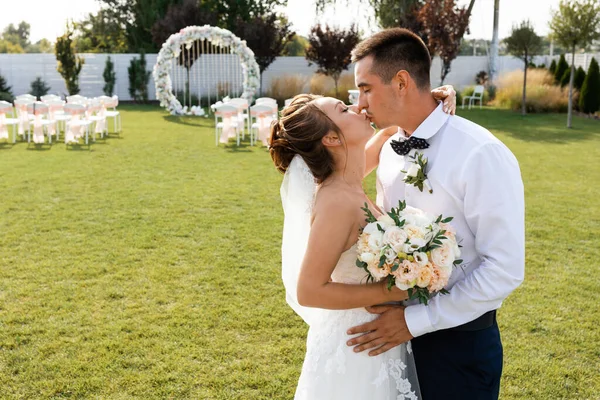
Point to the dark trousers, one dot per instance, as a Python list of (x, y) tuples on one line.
[(459, 365)]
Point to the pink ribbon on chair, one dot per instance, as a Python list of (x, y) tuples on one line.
[(229, 125), (101, 124), (23, 118), (52, 109), (264, 125), (3, 126), (74, 132), (38, 128)]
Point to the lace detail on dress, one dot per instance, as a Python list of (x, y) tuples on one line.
[(333, 371)]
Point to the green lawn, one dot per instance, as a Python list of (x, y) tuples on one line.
[(148, 266)]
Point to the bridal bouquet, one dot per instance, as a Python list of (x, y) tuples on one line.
[(410, 248)]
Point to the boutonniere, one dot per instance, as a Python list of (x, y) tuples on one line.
[(416, 174)]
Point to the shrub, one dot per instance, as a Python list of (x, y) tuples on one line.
[(589, 101), (39, 87), (481, 78), (552, 68), (110, 77), (542, 94), (324, 85), (579, 78), (287, 86), (139, 78), (560, 69)]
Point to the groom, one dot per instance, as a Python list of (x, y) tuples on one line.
[(476, 180)]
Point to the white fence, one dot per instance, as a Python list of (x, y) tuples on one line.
[(21, 69)]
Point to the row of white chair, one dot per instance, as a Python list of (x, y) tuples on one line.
[(233, 115), (78, 114)]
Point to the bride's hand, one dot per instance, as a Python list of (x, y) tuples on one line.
[(447, 94), (394, 294)]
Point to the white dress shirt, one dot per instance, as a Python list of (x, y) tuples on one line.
[(475, 179)]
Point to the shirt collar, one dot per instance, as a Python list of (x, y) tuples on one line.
[(432, 124)]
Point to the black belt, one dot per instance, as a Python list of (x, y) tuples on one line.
[(485, 321)]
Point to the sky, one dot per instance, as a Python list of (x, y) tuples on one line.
[(48, 17)]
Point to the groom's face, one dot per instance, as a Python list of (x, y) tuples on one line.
[(380, 101)]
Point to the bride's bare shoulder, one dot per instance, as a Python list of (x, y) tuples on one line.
[(333, 202)]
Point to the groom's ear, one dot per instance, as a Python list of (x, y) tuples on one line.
[(401, 81), (331, 140)]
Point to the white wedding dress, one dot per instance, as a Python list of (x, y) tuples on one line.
[(333, 371)]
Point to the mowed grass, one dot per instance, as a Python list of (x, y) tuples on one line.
[(148, 266)]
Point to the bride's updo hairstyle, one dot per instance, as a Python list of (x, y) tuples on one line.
[(299, 131)]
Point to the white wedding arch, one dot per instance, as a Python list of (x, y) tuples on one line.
[(202, 64)]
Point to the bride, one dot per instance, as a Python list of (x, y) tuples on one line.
[(325, 150)]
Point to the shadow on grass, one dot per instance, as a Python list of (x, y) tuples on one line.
[(79, 147), (198, 122), (7, 145), (549, 128)]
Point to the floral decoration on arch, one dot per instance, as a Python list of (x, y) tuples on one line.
[(187, 36)]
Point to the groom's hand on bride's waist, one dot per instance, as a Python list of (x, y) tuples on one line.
[(387, 331)]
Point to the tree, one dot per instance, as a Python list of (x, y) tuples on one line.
[(494, 47), (17, 35), (9, 47), (39, 88), (266, 36), (110, 77), (552, 68), (524, 44), (230, 12), (330, 49), (69, 65), (579, 78), (139, 77), (296, 47), (41, 46), (575, 24), (100, 33), (589, 99), (5, 90), (561, 67), (445, 25), (566, 78)]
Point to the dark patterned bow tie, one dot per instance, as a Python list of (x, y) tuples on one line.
[(404, 147)]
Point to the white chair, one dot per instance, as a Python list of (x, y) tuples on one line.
[(477, 95), (7, 108), (39, 110), (262, 116), (353, 96), (243, 117), (227, 127), (110, 104), (22, 115), (265, 99), (29, 97), (76, 124), (77, 99), (56, 112), (49, 97), (97, 114)]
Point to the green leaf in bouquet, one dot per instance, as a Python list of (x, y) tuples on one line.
[(390, 283), (447, 220), (370, 217), (457, 262), (395, 267), (444, 291), (361, 264), (381, 261), (380, 228)]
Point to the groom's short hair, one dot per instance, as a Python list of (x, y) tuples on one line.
[(394, 50)]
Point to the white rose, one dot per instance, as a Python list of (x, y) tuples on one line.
[(443, 256), (414, 231), (413, 170), (395, 237), (385, 221), (390, 255), (371, 228), (376, 241), (421, 259), (367, 257)]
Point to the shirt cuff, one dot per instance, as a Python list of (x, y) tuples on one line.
[(417, 320)]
